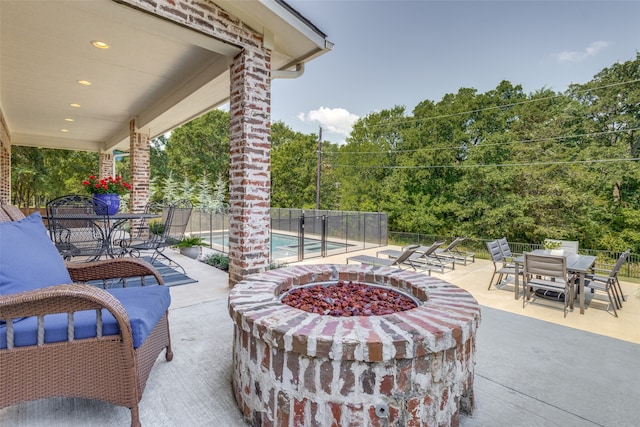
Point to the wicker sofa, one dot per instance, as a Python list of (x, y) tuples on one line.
[(93, 343)]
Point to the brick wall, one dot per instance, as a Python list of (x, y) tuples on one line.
[(249, 169), (139, 164), (106, 165)]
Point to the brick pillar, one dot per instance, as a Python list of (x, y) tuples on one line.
[(5, 162), (249, 168), (139, 158), (106, 165)]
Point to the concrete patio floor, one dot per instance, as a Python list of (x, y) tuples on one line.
[(534, 367)]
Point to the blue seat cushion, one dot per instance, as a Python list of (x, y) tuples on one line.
[(28, 258), (145, 306)]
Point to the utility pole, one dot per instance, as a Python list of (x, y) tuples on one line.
[(318, 174)]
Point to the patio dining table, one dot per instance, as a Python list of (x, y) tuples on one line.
[(113, 224), (576, 263)]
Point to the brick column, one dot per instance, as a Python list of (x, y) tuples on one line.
[(139, 159), (249, 168), (106, 165), (5, 162)]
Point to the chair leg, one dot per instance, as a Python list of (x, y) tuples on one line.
[(491, 281), (135, 417), (157, 254), (620, 289), (614, 291), (611, 299)]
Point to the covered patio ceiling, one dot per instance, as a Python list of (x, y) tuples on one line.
[(154, 71)]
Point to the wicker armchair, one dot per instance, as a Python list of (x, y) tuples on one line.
[(111, 363)]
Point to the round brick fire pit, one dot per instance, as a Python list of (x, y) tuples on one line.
[(295, 368)]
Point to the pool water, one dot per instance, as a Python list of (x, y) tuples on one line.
[(284, 246)]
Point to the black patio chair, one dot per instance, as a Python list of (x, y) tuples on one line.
[(175, 218), (76, 229)]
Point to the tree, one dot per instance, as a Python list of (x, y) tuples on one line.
[(293, 167), (200, 146), (41, 174)]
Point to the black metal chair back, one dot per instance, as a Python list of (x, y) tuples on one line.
[(76, 229)]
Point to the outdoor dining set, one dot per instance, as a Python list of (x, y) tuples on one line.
[(81, 228), (561, 274)]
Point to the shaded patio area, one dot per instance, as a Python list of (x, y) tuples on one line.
[(534, 367)]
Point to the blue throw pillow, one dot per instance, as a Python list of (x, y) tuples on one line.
[(28, 258)]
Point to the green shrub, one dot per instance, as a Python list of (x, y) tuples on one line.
[(219, 261), (156, 227), (189, 241)]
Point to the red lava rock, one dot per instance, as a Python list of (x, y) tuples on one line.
[(348, 299)]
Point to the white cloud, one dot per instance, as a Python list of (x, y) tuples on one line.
[(336, 120), (573, 56)]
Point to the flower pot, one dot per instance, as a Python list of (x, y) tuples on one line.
[(191, 251), (112, 202)]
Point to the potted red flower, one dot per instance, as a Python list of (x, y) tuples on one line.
[(108, 190)]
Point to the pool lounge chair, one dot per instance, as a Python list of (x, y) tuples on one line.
[(403, 259), (452, 251), (424, 256)]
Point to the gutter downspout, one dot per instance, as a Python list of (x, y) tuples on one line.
[(289, 74)]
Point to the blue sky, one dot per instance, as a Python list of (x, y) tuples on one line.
[(390, 53)]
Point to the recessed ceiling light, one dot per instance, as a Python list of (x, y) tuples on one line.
[(75, 105), (64, 130), (84, 82), (68, 119), (99, 44)]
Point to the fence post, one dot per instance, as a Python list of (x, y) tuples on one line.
[(323, 237), (301, 237)]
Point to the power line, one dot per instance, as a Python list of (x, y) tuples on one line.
[(466, 166), (524, 141)]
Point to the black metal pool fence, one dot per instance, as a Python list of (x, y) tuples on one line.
[(303, 233)]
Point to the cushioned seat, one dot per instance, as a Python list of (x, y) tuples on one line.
[(145, 306)]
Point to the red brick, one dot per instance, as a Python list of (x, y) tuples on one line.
[(326, 376), (386, 385), (310, 376), (283, 409), (348, 378), (266, 358), (277, 364), (374, 420), (368, 380), (298, 412), (313, 413), (293, 364), (413, 412), (403, 376), (336, 413)]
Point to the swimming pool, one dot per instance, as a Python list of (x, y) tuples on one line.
[(284, 245)]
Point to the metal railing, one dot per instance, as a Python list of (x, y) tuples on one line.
[(605, 260), (298, 234)]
